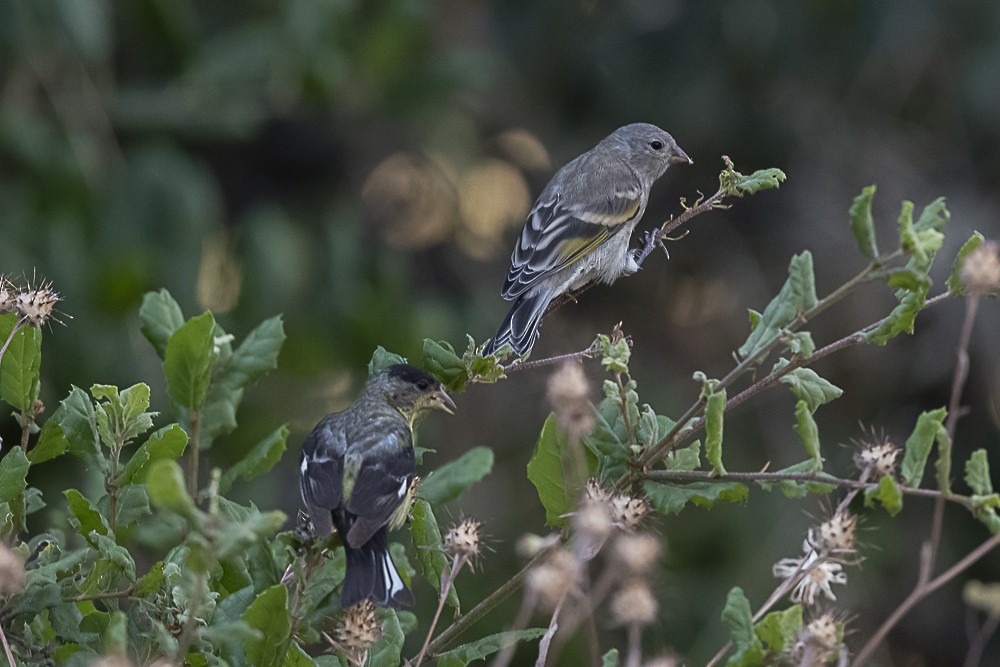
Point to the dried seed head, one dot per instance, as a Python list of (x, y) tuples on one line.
[(568, 393), (596, 493), (980, 273), (36, 305), (591, 528), (11, 571), (8, 295), (551, 580), (462, 541), (836, 535), (817, 642), (814, 575), (530, 545), (634, 604), (359, 630), (879, 457), (985, 597), (627, 512), (636, 552)]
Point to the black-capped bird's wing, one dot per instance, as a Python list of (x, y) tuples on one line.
[(384, 477), (562, 228), (322, 471)]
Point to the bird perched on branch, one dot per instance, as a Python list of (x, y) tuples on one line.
[(580, 227), (357, 473)]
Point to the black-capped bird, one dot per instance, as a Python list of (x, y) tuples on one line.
[(357, 472), (580, 227)]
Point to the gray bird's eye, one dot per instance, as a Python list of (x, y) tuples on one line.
[(656, 145)]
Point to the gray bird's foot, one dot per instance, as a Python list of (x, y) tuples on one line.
[(649, 242)]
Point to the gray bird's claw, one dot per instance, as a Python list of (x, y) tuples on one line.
[(649, 241)]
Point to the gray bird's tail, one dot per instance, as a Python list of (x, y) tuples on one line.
[(520, 327), (371, 575)]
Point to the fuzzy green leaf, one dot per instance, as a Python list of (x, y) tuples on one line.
[(268, 614), (21, 364), (160, 317), (762, 179), (808, 386), (610, 658), (264, 456), (426, 538), (51, 443), (778, 629), (808, 432), (796, 489), (168, 443), (545, 471), (887, 493), (902, 317), (388, 650), (954, 283), (256, 355), (862, 224), (75, 418), (188, 361), (977, 473), (739, 619), (797, 295), (672, 498), (448, 481), (382, 359), (685, 459), (13, 474), (441, 361), (480, 649), (715, 408), (84, 517), (918, 446), (165, 482)]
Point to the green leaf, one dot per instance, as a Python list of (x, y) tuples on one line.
[(715, 407), (685, 459), (977, 473), (778, 629), (943, 464), (13, 474), (256, 355), (121, 416), (918, 446), (797, 489), (51, 443), (797, 295), (808, 432), (165, 482), (935, 216), (887, 493), (672, 498), (482, 648), (923, 239), (610, 658), (954, 283), (545, 471), (862, 224), (75, 418), (739, 619), (485, 370), (388, 649), (116, 635), (808, 386), (160, 317), (268, 614), (151, 582), (188, 361), (762, 179), (614, 356), (20, 365), (167, 443), (85, 518), (800, 344), (264, 456), (902, 317), (382, 359), (448, 481), (441, 361), (426, 538)]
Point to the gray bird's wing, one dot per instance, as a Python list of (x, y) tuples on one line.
[(384, 478), (585, 204)]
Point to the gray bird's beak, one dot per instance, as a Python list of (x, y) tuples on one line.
[(679, 157), (444, 402)]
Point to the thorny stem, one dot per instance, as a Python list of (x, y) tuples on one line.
[(921, 591), (446, 581)]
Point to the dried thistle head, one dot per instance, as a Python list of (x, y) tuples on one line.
[(568, 393), (879, 456), (463, 540), (530, 545), (634, 604), (980, 273), (8, 295), (628, 512), (554, 578), (817, 642), (591, 527), (358, 631), (836, 535), (596, 493), (637, 553), (12, 573), (36, 306)]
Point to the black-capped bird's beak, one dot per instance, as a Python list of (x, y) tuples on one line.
[(680, 157), (443, 402)]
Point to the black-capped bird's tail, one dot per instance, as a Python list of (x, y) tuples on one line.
[(372, 575), (520, 327)]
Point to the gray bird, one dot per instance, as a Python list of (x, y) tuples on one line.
[(357, 471), (581, 225)]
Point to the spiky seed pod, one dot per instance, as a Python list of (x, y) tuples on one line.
[(554, 578), (879, 457), (636, 552), (359, 629), (11, 571), (836, 535), (462, 541), (980, 273), (568, 393), (627, 512), (634, 604), (36, 305)]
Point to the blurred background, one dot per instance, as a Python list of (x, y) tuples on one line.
[(364, 167)]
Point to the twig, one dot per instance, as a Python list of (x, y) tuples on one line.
[(519, 365), (6, 648), (919, 593), (446, 581), (546, 641)]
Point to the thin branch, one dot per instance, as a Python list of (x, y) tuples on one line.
[(447, 579), (519, 365), (6, 648), (919, 593), (103, 595)]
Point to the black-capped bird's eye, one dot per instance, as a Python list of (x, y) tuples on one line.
[(422, 385), (656, 145)]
